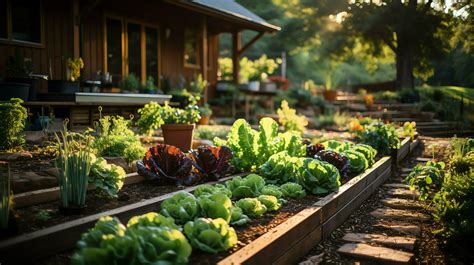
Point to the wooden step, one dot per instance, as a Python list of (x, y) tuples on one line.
[(401, 228), (403, 193), (396, 214), (406, 170), (391, 241), (397, 185), (401, 204), (423, 159), (381, 255)]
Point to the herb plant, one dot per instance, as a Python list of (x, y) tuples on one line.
[(108, 178), (12, 123)]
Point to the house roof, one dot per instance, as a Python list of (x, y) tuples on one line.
[(233, 10)]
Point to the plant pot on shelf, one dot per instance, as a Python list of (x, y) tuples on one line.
[(204, 120), (33, 82), (63, 86), (10, 90), (179, 135), (223, 85), (253, 85), (268, 86), (330, 95)]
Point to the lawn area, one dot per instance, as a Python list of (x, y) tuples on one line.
[(454, 91)]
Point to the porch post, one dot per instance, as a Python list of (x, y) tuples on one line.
[(204, 55), (235, 56), (75, 17)]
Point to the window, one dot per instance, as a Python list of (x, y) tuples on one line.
[(114, 47), (20, 21), (137, 55), (191, 47)]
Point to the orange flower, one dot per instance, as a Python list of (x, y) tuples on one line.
[(355, 126)]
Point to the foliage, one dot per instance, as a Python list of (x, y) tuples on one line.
[(357, 161), (153, 115), (212, 163), (166, 164), (145, 242), (368, 151), (207, 190), (454, 206), (225, 69), (425, 177), (250, 186), (6, 194), (130, 82), (12, 123), (313, 149), (182, 207), (238, 217), (256, 70), (205, 110), (409, 95), (74, 164), (292, 190), (197, 86), (318, 177), (210, 132), (382, 137), (42, 216), (272, 190), (216, 205), (280, 168), (75, 65), (270, 202), (151, 219), (113, 137), (251, 207), (210, 235), (251, 148), (340, 161), (407, 130), (290, 120), (108, 178)]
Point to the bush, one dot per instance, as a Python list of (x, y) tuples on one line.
[(12, 123), (409, 95), (290, 120)]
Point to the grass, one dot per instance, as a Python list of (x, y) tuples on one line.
[(454, 91)]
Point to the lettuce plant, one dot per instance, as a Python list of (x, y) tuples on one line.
[(280, 168), (272, 190), (368, 151), (105, 226), (212, 163), (217, 205), (166, 164), (292, 190), (251, 207), (151, 219), (182, 207), (108, 178), (250, 186), (313, 149), (270, 202), (318, 177), (207, 190), (210, 235), (340, 161), (238, 217), (357, 161)]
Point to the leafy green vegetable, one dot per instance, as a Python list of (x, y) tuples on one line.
[(273, 190), (105, 226), (210, 235), (337, 146), (280, 168), (207, 190), (270, 202), (217, 205), (425, 177), (357, 161), (238, 217), (251, 207), (382, 137), (318, 177), (182, 207), (106, 177), (292, 190), (250, 186), (368, 151), (151, 219)]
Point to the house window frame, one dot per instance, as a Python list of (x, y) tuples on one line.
[(197, 65), (125, 63), (11, 41)]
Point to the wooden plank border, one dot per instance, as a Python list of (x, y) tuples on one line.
[(307, 225), (49, 241), (403, 151), (414, 144)]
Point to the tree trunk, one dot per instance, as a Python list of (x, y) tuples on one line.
[(405, 66)]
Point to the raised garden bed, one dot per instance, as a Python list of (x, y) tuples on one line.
[(402, 152)]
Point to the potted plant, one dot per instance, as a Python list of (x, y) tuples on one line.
[(224, 74), (71, 85), (18, 83), (149, 87), (177, 124), (369, 101), (205, 111)]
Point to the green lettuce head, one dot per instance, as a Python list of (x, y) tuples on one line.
[(280, 168), (207, 189), (250, 186), (270, 202), (238, 217), (182, 207), (357, 161), (318, 177), (151, 219), (292, 190), (210, 235), (273, 190), (217, 205), (251, 207)]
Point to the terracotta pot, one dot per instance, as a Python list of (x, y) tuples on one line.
[(330, 95), (204, 120), (179, 135)]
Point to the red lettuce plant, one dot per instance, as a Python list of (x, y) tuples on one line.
[(313, 149), (166, 164), (212, 163)]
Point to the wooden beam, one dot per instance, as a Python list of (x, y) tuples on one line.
[(250, 43), (204, 55), (235, 56), (75, 17)]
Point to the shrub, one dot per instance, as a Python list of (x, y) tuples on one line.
[(108, 178), (12, 123), (290, 120)]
